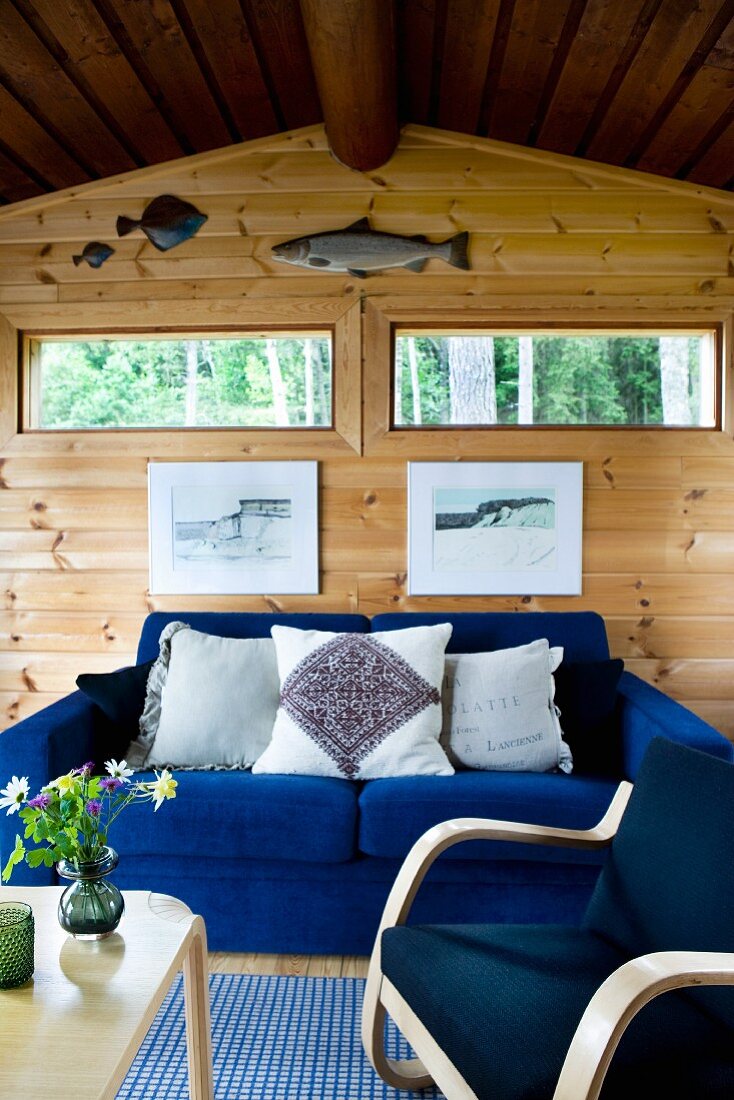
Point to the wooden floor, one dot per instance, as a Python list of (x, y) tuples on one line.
[(313, 966)]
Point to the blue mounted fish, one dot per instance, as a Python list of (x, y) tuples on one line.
[(166, 222), (360, 250), (95, 253)]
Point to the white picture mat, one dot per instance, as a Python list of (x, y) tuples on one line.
[(561, 480), (223, 484)]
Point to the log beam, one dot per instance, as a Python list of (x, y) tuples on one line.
[(352, 46)]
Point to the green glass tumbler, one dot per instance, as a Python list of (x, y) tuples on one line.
[(16, 943)]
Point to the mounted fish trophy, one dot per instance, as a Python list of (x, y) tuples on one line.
[(95, 253), (360, 250), (166, 222)]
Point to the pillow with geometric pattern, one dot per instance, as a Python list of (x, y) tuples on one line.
[(358, 706)]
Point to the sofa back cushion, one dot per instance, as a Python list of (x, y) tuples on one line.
[(242, 624), (581, 633)]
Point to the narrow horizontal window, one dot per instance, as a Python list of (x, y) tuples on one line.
[(259, 381), (661, 378)]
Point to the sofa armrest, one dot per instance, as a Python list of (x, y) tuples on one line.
[(646, 713), (48, 743)]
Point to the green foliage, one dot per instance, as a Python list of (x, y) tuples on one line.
[(598, 379), (129, 383)]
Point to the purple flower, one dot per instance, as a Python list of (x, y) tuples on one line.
[(93, 807), (40, 802), (110, 784), (88, 768)]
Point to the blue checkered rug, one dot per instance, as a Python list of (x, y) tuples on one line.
[(273, 1038)]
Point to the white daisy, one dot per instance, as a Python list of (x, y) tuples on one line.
[(14, 795), (119, 771)]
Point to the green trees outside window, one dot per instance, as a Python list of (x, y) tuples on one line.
[(259, 382), (663, 379)]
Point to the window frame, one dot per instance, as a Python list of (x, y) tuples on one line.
[(342, 318), (383, 320), (31, 389), (564, 329)]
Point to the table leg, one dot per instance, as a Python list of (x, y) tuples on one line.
[(198, 1024)]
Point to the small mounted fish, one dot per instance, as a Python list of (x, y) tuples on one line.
[(360, 250), (95, 253), (166, 222)]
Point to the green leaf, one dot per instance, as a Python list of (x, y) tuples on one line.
[(16, 856), (36, 857), (48, 857), (65, 845), (29, 830)]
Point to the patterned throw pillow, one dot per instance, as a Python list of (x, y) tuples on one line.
[(358, 706), (499, 713)]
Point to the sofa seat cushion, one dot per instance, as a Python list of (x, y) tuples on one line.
[(239, 815), (393, 813), (503, 1003)]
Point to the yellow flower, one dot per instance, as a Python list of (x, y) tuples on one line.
[(163, 787), (65, 783)]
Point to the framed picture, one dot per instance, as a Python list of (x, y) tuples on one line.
[(494, 528), (233, 527)]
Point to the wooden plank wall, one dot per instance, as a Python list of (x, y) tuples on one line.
[(552, 240)]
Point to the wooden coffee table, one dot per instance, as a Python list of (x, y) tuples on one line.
[(77, 1025)]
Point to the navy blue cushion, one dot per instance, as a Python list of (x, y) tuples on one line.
[(234, 815), (586, 695), (503, 1002), (668, 884), (393, 813), (581, 633), (242, 624), (120, 695)]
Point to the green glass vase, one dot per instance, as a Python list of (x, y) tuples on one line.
[(90, 908), (16, 944)]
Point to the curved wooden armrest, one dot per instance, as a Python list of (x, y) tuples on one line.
[(424, 853), (617, 1002)]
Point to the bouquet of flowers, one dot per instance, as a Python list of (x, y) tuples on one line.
[(70, 817)]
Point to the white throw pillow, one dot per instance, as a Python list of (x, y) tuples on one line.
[(211, 701), (359, 706), (499, 713)]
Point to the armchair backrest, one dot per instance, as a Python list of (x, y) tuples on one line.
[(668, 883)]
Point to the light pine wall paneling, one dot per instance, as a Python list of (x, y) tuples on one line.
[(551, 241)]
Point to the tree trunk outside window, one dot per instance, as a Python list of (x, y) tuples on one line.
[(471, 380), (674, 380), (525, 380), (192, 382), (280, 407)]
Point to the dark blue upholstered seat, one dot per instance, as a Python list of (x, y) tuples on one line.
[(395, 812), (504, 1001), (238, 815)]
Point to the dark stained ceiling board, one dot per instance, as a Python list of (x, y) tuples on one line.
[(93, 88)]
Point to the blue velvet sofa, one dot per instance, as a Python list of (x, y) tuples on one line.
[(304, 864)]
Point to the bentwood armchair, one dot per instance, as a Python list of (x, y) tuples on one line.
[(548, 1012)]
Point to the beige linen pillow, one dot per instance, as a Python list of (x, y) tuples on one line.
[(358, 706), (498, 710), (212, 704)]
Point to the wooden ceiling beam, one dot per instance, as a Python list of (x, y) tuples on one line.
[(352, 46)]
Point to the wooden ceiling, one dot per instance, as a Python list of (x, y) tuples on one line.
[(91, 88)]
